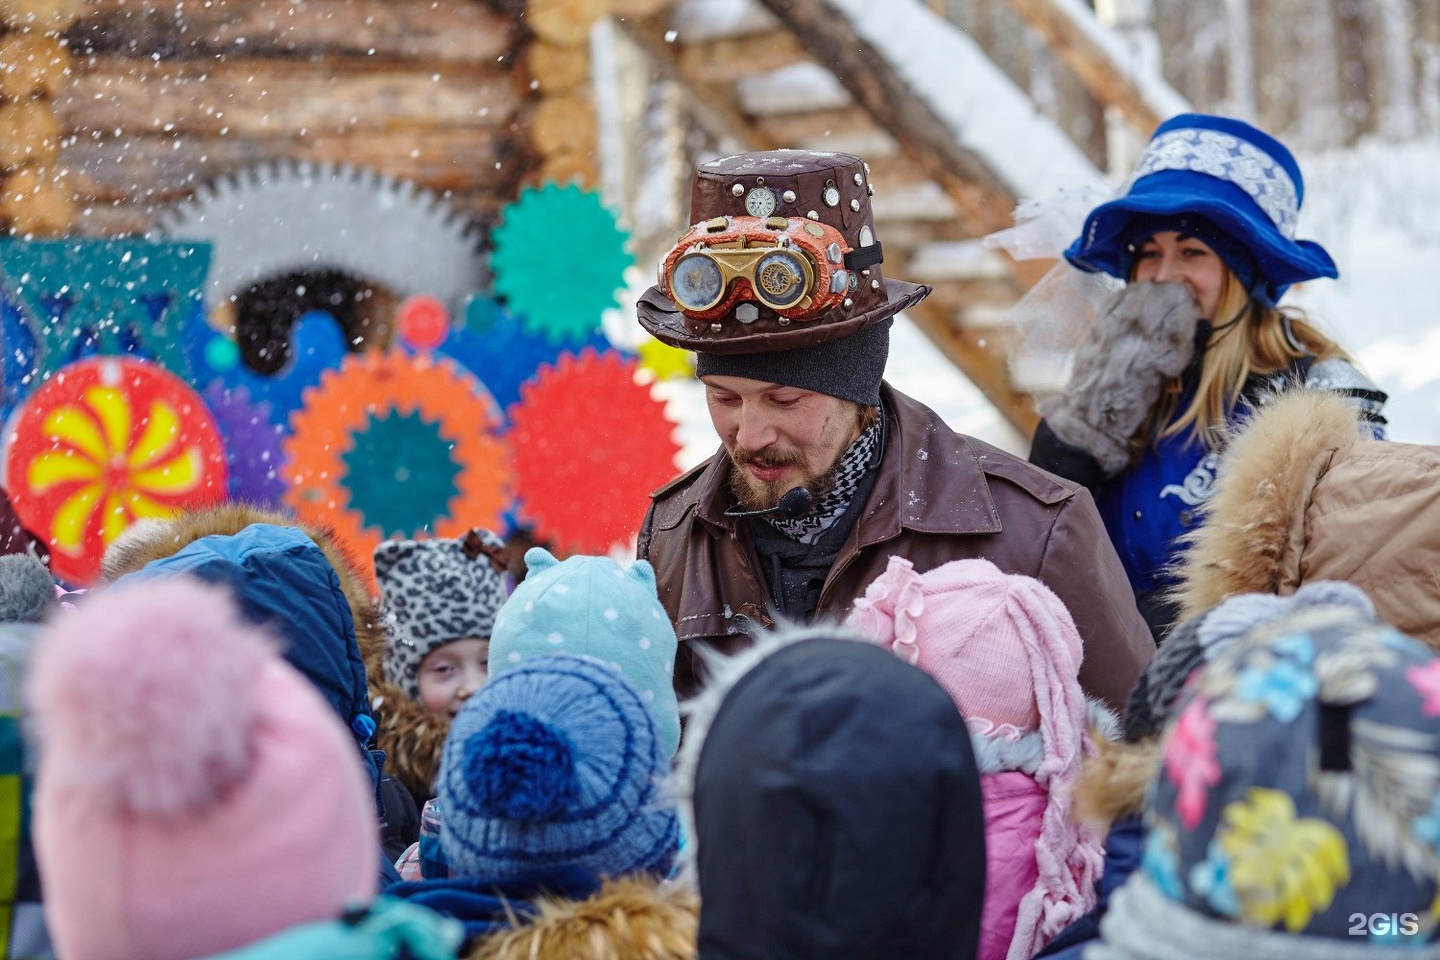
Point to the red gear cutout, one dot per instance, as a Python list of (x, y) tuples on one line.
[(589, 444)]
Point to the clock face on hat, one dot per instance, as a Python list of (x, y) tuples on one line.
[(760, 202)]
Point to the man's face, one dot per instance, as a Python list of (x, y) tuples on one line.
[(778, 437)]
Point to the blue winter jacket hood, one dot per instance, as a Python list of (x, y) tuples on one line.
[(281, 580)]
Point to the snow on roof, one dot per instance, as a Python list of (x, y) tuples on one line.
[(984, 111)]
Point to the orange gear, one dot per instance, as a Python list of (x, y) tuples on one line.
[(376, 388), (104, 442)]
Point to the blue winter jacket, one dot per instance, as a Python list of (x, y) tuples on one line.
[(1149, 508)]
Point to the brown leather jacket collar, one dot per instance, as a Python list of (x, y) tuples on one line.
[(921, 436)]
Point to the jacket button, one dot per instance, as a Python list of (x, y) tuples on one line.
[(1187, 518), (1137, 514)]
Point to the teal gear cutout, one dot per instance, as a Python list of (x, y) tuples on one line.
[(81, 297), (400, 473), (559, 261)]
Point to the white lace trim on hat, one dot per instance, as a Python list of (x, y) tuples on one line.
[(1228, 158)]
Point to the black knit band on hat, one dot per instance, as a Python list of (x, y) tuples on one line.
[(850, 368)]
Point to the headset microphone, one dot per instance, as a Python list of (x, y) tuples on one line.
[(796, 502)]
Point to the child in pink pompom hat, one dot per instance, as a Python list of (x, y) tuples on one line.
[(1007, 651), (194, 793)]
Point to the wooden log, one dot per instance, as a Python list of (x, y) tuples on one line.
[(729, 58), (1109, 82), (456, 31), (44, 15), (139, 214), (878, 87), (564, 125), (980, 361), (37, 202), (557, 69), (712, 106), (270, 98), (32, 64), (565, 23), (29, 133), (167, 169), (565, 168), (621, 9)]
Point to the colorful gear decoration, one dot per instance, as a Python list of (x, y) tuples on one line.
[(394, 445), (664, 361), (494, 345), (559, 260), (105, 442), (255, 456), (589, 445)]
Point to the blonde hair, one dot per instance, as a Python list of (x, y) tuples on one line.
[(1249, 338)]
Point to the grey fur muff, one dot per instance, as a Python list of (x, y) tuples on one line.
[(27, 592), (1145, 336)]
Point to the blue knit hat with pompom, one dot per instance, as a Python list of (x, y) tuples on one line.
[(555, 763)]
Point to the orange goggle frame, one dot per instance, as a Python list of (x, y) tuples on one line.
[(792, 265)]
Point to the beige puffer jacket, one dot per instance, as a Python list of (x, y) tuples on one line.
[(1302, 495)]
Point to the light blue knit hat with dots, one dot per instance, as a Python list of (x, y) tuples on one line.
[(593, 607), (555, 764)]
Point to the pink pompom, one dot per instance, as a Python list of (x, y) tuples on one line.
[(144, 697)]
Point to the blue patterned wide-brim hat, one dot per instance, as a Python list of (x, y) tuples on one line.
[(1240, 179), (556, 763)]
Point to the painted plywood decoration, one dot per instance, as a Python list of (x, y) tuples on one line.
[(496, 402)]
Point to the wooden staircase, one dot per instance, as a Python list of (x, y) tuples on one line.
[(764, 74), (750, 81)]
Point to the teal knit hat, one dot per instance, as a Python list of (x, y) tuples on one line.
[(593, 607)]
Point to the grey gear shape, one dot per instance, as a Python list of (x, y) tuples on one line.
[(285, 216)]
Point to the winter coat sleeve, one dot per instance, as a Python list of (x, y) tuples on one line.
[(1049, 452), (1081, 566)]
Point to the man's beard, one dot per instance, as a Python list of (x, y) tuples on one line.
[(753, 494)]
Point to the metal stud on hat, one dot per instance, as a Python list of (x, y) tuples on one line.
[(774, 282)]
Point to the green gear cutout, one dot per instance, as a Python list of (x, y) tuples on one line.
[(400, 473), (559, 261)]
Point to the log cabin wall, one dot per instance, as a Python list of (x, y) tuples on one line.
[(165, 96)]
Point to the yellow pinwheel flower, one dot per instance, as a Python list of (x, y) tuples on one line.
[(1281, 866)]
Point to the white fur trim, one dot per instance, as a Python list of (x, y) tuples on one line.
[(1144, 924), (725, 671)]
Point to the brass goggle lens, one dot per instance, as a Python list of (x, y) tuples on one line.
[(780, 277)]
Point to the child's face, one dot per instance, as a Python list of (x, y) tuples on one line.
[(450, 674)]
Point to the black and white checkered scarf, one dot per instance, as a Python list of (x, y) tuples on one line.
[(859, 457)]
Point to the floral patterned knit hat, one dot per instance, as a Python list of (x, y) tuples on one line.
[(1299, 788)]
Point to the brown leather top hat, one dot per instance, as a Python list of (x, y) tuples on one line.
[(782, 254)]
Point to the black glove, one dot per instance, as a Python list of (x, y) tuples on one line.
[(1143, 338)]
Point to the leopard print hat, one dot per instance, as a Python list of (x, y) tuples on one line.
[(436, 591)]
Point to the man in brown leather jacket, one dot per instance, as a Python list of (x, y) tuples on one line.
[(826, 471)]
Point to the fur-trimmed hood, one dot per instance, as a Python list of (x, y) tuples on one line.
[(153, 539), (631, 918), (1302, 495), (411, 735)]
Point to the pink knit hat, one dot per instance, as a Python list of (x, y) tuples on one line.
[(1007, 651), (991, 639), (194, 792)]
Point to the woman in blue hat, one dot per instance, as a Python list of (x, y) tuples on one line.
[(1204, 238)]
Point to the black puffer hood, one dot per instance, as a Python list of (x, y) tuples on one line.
[(837, 810)]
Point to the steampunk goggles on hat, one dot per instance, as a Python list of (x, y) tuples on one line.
[(792, 265)]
